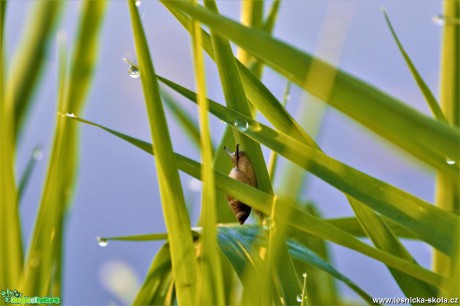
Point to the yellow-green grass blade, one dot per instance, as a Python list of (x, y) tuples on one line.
[(251, 16), (177, 221), (429, 97), (42, 274), (186, 121), (430, 140), (372, 189), (384, 238), (299, 220), (29, 61), (11, 253), (235, 98), (269, 23), (351, 225), (322, 287), (157, 288), (210, 275), (257, 93), (244, 257), (448, 190)]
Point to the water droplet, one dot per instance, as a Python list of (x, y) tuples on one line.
[(102, 241), (222, 121), (133, 70), (72, 115), (299, 297), (439, 20), (450, 161), (241, 125), (38, 154), (138, 3), (304, 275)]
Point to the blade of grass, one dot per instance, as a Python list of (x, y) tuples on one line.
[(10, 227), (177, 221), (425, 138), (29, 61), (448, 190), (297, 219), (42, 273), (269, 23), (429, 97), (372, 190), (156, 287), (210, 275)]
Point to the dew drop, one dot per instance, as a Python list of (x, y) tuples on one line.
[(450, 161), (37, 154), (241, 125), (222, 121), (133, 70), (439, 20), (102, 241), (138, 3), (299, 297), (71, 115)]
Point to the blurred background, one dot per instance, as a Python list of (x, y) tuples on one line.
[(116, 192)]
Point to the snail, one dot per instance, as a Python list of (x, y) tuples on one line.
[(242, 171)]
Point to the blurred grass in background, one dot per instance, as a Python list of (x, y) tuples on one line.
[(219, 262)]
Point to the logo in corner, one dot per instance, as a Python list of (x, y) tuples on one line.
[(15, 297)]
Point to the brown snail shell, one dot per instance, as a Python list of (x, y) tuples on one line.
[(242, 171)]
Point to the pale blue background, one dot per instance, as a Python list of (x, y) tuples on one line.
[(117, 190)]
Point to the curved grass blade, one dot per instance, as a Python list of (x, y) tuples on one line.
[(157, 288), (29, 61), (11, 253), (351, 225), (429, 97), (43, 269), (210, 275), (398, 205), (425, 138), (269, 23), (177, 221), (297, 218)]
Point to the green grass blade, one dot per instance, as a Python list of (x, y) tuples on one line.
[(425, 138), (175, 213), (269, 23), (257, 93), (448, 190), (397, 204), (351, 225), (158, 284), (29, 61), (11, 253), (183, 118), (384, 238), (210, 275), (297, 218), (43, 270), (429, 97), (235, 98)]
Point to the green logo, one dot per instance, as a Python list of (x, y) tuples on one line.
[(15, 297)]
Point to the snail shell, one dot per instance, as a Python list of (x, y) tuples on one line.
[(242, 171)]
